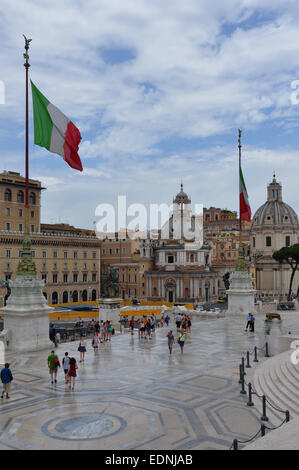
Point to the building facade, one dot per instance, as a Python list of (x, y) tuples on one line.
[(274, 225), (66, 258)]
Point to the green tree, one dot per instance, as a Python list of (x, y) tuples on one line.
[(290, 255)]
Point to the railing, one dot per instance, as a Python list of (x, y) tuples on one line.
[(251, 392)]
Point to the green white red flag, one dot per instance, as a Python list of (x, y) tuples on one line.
[(245, 211), (54, 131)]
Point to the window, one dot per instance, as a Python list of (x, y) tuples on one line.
[(32, 228), (33, 254), (75, 266), (54, 254), (253, 242), (20, 227), (116, 251), (20, 213), (110, 251), (94, 277), (8, 253), (104, 251), (64, 266), (65, 278), (32, 214), (54, 266), (75, 254), (7, 211), (32, 198), (20, 196), (75, 277), (288, 240), (84, 254), (65, 254), (20, 253), (7, 277), (124, 250), (44, 277), (44, 254), (268, 241), (84, 277), (84, 266), (94, 254), (7, 195), (170, 259), (7, 226), (55, 278)]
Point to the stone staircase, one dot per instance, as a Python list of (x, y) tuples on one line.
[(278, 379)]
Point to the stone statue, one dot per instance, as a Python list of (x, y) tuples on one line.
[(110, 283)]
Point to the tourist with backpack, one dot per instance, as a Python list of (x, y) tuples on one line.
[(65, 364), (53, 364)]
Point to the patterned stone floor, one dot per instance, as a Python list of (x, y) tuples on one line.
[(134, 396)]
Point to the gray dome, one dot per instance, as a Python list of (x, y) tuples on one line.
[(182, 197), (275, 212)]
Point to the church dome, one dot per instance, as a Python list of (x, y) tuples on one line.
[(181, 197), (274, 212)]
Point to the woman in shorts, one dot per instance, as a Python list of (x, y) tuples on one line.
[(82, 348), (72, 373), (171, 340), (181, 340), (95, 344)]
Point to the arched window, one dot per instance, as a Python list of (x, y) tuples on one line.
[(84, 296), (54, 298), (20, 196), (7, 195), (75, 296), (65, 297), (94, 295), (32, 198), (288, 240)]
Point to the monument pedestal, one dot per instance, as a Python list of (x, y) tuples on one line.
[(109, 309), (26, 316), (240, 294)]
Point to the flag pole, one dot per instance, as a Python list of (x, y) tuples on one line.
[(26, 266), (240, 220), (240, 266)]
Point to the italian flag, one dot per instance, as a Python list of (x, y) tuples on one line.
[(245, 211), (54, 131)]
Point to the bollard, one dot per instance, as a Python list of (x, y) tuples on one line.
[(263, 430), (243, 391), (235, 444), (287, 416), (267, 350), (250, 402), (241, 372), (248, 364), (255, 355), (243, 366), (264, 417)]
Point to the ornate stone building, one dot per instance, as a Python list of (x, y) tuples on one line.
[(176, 268), (274, 225), (66, 258)]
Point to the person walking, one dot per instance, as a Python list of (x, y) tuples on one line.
[(181, 340), (72, 373), (171, 340), (53, 364), (65, 364), (82, 348), (167, 318), (178, 321), (6, 379), (95, 344), (131, 325)]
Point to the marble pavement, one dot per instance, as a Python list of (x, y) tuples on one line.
[(134, 396)]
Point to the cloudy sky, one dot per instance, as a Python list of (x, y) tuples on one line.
[(158, 89)]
